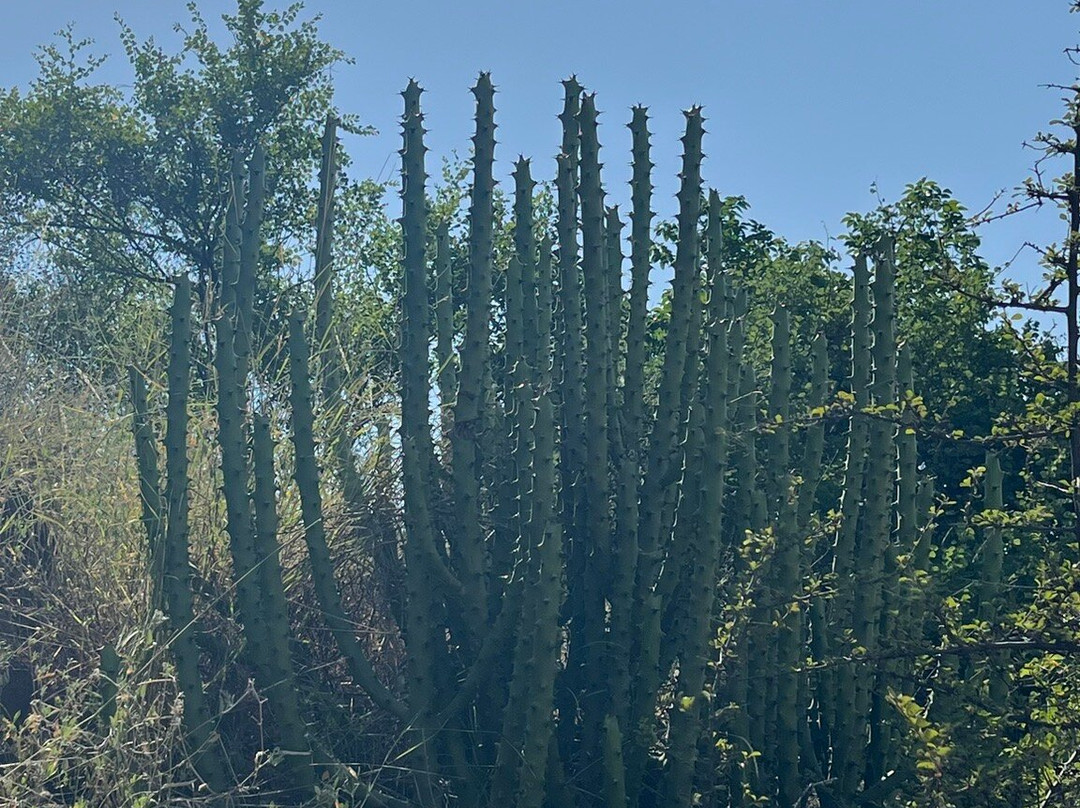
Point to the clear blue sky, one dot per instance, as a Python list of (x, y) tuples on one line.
[(808, 103)]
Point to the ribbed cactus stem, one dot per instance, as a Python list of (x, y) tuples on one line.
[(279, 685), (662, 441), (786, 568), (632, 428), (924, 508), (614, 768), (658, 479), (251, 243), (876, 535), (324, 230), (230, 247), (572, 357), (570, 391), (514, 466), (325, 215), (230, 362), (521, 342), (545, 311), (907, 483), (751, 516), (613, 261), (546, 588), (817, 687), (597, 439), (306, 473), (641, 217), (524, 673), (703, 553), (469, 408), (627, 476), (814, 448), (525, 249), (845, 721), (990, 569), (207, 756), (331, 373), (779, 443), (421, 616)]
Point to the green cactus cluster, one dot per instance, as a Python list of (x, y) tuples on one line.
[(607, 597)]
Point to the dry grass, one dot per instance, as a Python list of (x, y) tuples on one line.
[(113, 737)]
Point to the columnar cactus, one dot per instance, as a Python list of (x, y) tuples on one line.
[(876, 533), (545, 533), (522, 348), (562, 612), (324, 262), (597, 521), (664, 438), (786, 568), (631, 428), (711, 413), (570, 392), (306, 473), (990, 570), (230, 361), (844, 717), (166, 518), (280, 684), (470, 407)]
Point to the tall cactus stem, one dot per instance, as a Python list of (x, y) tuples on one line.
[(658, 478), (845, 720), (703, 553), (545, 532), (421, 609), (876, 536), (469, 408), (208, 758), (597, 443), (250, 245), (306, 473), (280, 683)]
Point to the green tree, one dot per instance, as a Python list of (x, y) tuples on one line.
[(125, 189)]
